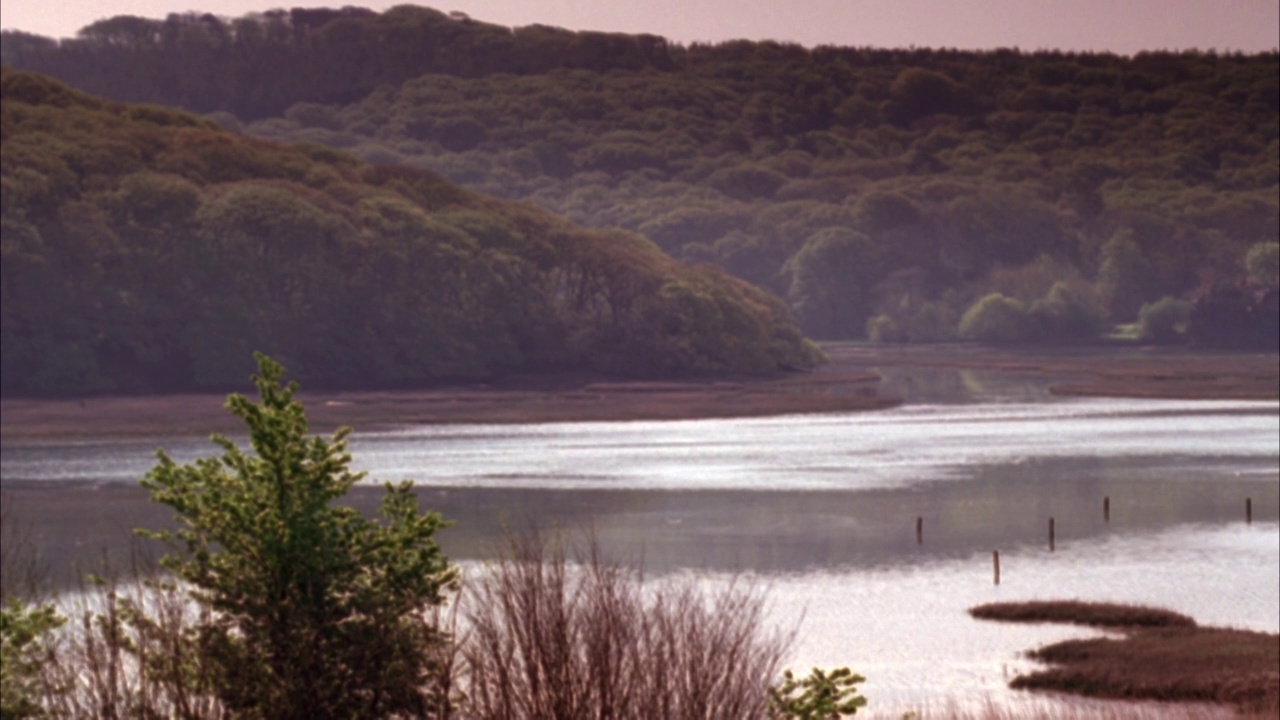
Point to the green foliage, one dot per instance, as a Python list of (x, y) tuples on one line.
[(883, 329), (1231, 316), (316, 610), (1124, 277), (919, 92), (746, 182), (995, 318), (880, 211), (933, 321), (142, 255), (820, 696), (1164, 321), (831, 280), (962, 164), (24, 634), (1063, 315), (1262, 263)]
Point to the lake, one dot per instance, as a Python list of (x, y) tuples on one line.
[(822, 511)]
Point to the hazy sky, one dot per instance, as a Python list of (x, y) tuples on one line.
[(1122, 26)]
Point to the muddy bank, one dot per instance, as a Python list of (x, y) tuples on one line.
[(838, 387), (849, 383), (1137, 372)]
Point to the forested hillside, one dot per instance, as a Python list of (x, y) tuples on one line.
[(901, 194), (145, 248)]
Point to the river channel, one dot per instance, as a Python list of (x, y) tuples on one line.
[(822, 511)]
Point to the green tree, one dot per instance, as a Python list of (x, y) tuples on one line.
[(1262, 263), (1123, 277), (1164, 321), (1062, 314), (831, 280), (883, 329), (23, 633), (995, 318), (819, 696), (317, 611)]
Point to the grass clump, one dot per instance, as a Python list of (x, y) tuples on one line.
[(1163, 656), (1235, 667), (1076, 612)]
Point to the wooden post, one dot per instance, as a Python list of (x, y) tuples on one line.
[(919, 530), (1106, 509), (1248, 511), (1051, 548), (995, 564)]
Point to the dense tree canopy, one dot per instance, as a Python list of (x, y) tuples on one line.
[(145, 248), (958, 167)]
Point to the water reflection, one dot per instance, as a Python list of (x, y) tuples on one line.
[(824, 508), (787, 531), (907, 630), (927, 385)]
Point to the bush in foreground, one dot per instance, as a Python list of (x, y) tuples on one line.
[(317, 611), (23, 636), (555, 638)]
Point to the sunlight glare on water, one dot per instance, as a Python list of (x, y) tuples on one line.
[(896, 624), (822, 508), (854, 451)]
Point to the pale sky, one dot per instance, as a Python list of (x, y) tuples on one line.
[(1121, 26)]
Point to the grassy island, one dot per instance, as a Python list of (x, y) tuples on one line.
[(1162, 656)]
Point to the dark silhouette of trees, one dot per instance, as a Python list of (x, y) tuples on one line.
[(145, 249)]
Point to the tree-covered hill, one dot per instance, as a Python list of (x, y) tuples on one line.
[(145, 248), (883, 192)]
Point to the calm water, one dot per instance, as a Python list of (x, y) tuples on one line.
[(822, 510)]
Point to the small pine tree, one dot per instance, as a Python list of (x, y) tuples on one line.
[(317, 611)]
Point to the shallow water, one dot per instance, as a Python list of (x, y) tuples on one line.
[(823, 510), (894, 624)]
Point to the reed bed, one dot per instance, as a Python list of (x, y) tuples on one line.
[(1076, 612), (1163, 656)]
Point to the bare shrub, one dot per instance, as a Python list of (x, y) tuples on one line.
[(127, 651), (547, 637)]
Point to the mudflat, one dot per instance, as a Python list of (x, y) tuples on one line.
[(848, 383), (1098, 371)]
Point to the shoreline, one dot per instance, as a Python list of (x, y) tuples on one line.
[(848, 384)]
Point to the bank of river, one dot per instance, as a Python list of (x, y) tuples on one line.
[(850, 383)]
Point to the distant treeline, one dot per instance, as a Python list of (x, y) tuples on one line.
[(258, 65), (884, 193), (145, 249)]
